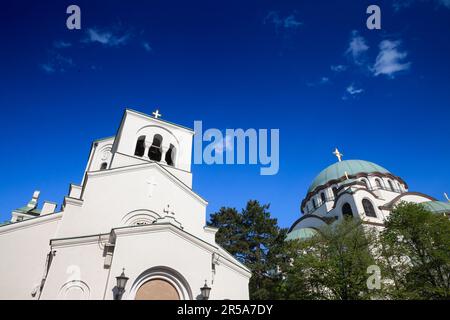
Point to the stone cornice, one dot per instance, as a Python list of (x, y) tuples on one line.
[(32, 222)]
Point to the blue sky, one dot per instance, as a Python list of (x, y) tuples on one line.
[(309, 68)]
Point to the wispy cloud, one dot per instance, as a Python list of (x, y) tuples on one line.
[(57, 63), (356, 48), (146, 46), (224, 145), (352, 90), (60, 44), (390, 60), (338, 68), (289, 22), (321, 81), (106, 38), (402, 4)]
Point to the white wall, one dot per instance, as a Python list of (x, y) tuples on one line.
[(24, 247)]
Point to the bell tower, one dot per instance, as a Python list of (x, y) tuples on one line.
[(143, 138)]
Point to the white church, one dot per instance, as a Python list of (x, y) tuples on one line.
[(133, 229), (359, 189)]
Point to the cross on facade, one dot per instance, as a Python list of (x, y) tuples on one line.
[(168, 211), (156, 114), (338, 154), (151, 186)]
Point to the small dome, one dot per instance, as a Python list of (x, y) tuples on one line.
[(338, 169), (301, 234)]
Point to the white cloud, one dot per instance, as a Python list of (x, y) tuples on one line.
[(57, 63), (48, 68), (146, 46), (338, 68), (390, 60), (291, 22), (61, 44), (106, 38), (224, 145), (351, 89), (321, 81), (402, 4), (357, 47), (288, 22)]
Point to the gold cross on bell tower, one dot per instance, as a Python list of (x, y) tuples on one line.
[(338, 154)]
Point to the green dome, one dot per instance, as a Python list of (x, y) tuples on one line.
[(302, 234), (437, 206), (338, 169)]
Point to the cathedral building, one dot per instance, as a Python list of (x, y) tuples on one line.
[(133, 228), (359, 189)]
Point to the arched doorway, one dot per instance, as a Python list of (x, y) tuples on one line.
[(160, 283), (157, 289)]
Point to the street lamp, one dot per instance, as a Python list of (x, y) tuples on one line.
[(205, 290), (121, 283)]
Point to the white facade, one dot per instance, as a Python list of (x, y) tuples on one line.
[(135, 210)]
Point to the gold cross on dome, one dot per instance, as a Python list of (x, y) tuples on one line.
[(338, 154), (156, 114)]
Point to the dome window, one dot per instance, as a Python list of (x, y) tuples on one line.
[(369, 210), (335, 192), (322, 197), (103, 166), (378, 183), (365, 183), (314, 203), (391, 186)]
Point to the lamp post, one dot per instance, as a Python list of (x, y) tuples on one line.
[(205, 290), (121, 283)]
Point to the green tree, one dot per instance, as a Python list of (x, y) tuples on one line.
[(256, 240), (415, 248), (331, 265)]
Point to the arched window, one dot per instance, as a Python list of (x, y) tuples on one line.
[(368, 208), (103, 166), (322, 197), (314, 203), (365, 183), (378, 182), (335, 192), (347, 210), (140, 147), (170, 156), (155, 150), (391, 186)]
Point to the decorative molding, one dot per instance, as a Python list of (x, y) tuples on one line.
[(342, 179), (32, 222), (327, 220), (390, 204), (77, 241)]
